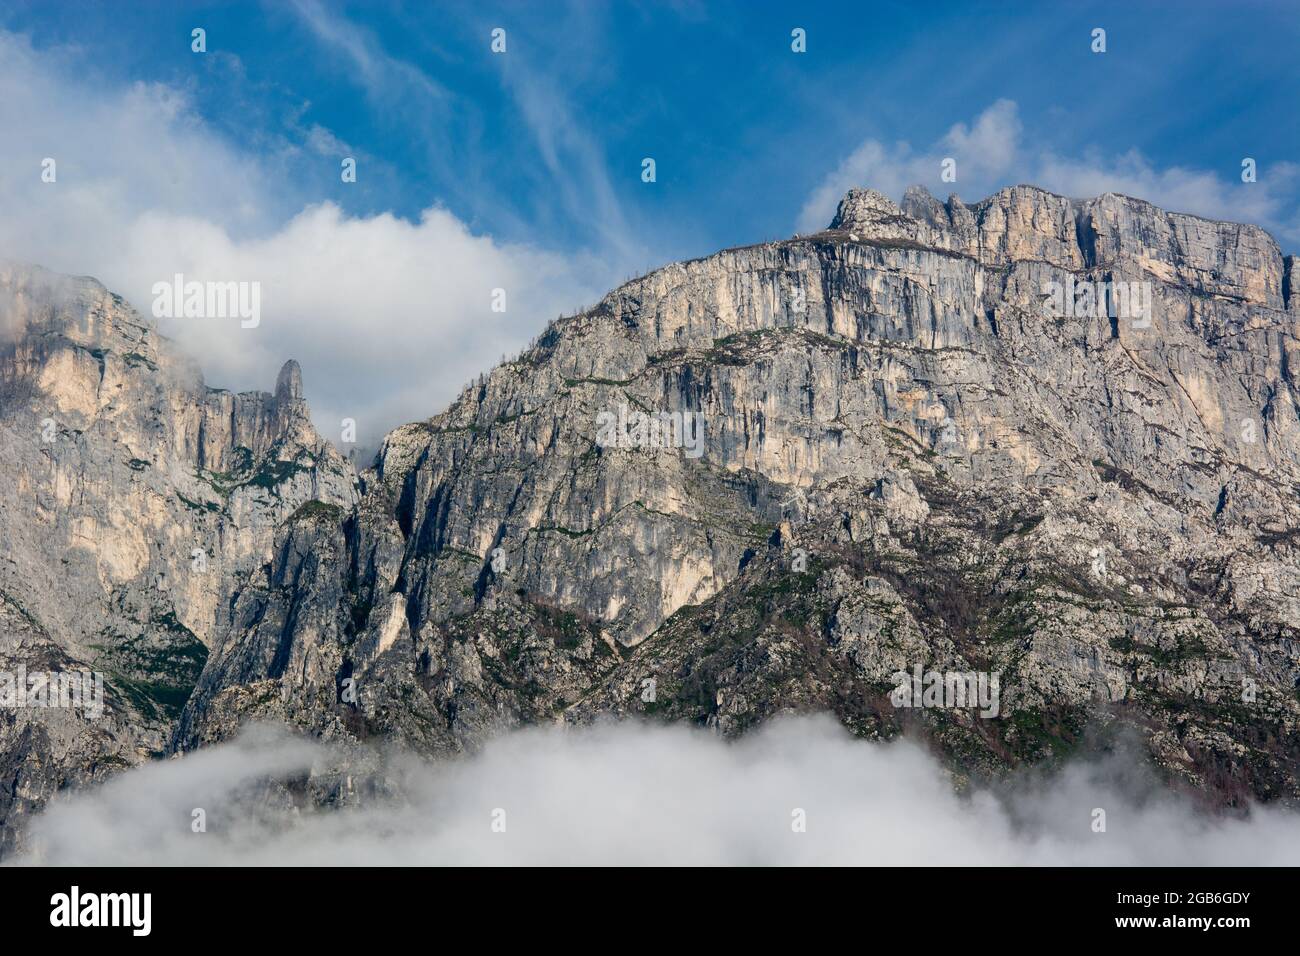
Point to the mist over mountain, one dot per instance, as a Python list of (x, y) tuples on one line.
[(800, 791)]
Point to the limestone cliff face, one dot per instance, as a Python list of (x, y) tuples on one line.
[(920, 443), (912, 454), (135, 501)]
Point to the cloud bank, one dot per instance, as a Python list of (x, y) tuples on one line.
[(630, 793)]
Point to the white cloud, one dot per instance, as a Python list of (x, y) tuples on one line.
[(634, 793), (994, 152), (388, 317)]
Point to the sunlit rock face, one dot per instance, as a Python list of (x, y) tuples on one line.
[(921, 443), (1050, 439)]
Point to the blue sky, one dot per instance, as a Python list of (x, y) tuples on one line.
[(534, 156)]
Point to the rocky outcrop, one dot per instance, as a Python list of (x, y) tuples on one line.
[(135, 502), (1111, 232)]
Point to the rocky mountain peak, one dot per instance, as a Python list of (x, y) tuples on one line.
[(288, 384), (864, 208)]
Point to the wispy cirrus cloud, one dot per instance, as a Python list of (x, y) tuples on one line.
[(571, 187), (387, 79), (575, 160)]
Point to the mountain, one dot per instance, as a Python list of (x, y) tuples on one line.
[(135, 502), (1049, 441)]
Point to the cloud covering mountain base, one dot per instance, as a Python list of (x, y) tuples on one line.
[(630, 793)]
